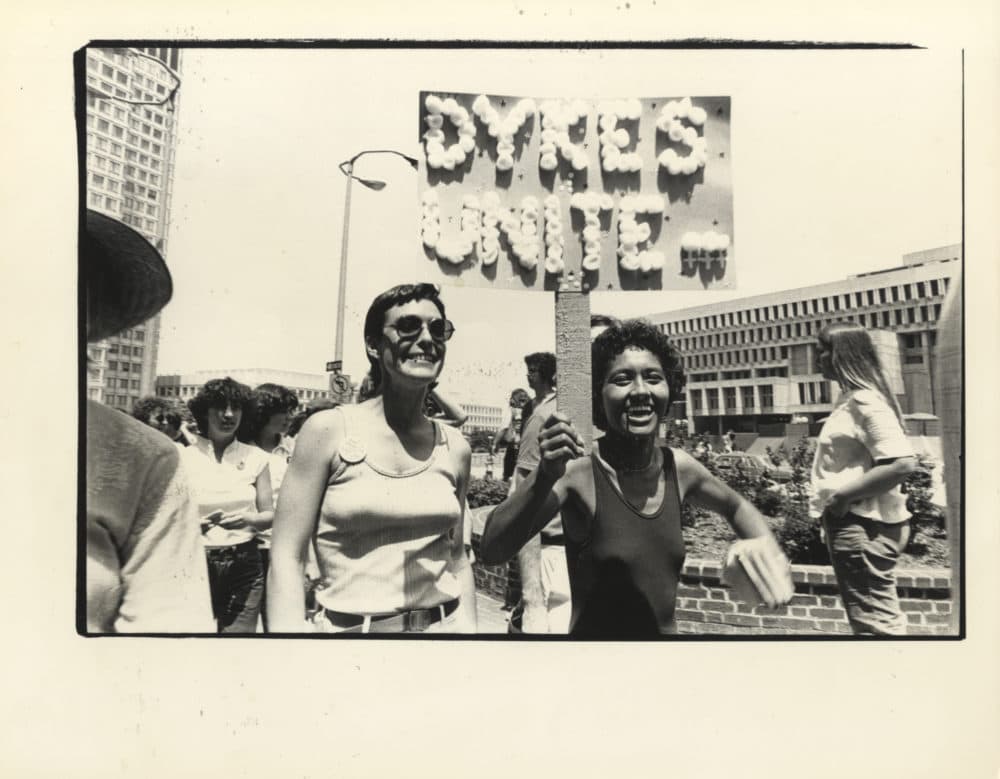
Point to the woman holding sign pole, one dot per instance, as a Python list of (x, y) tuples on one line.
[(380, 489), (862, 457), (621, 506)]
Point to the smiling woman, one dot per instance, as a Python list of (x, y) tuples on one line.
[(621, 506), (380, 490)]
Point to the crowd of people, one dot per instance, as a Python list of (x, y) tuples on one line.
[(353, 518)]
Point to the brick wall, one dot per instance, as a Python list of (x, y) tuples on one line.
[(704, 606)]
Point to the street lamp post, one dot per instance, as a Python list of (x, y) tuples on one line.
[(340, 384)]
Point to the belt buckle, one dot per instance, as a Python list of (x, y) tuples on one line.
[(420, 620)]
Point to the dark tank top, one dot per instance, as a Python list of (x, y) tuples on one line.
[(624, 568)]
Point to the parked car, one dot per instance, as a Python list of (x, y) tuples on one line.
[(754, 464)]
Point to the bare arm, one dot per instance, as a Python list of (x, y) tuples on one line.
[(879, 480), (467, 622), (535, 499), (703, 489), (758, 554), (295, 523)]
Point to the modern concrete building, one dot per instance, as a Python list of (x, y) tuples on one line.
[(751, 363), (131, 134), (488, 418), (183, 387)]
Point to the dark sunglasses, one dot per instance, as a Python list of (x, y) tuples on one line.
[(411, 325)]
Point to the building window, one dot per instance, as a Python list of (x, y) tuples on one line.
[(713, 399), (729, 397), (934, 287), (766, 392), (914, 359)]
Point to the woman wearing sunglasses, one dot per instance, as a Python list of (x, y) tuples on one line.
[(380, 488)]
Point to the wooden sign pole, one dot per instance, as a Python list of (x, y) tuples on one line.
[(573, 356)]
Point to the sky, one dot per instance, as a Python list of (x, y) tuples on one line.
[(842, 162)]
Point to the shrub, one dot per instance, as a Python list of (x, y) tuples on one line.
[(799, 534), (486, 492)]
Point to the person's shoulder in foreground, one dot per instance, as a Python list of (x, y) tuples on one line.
[(145, 562)]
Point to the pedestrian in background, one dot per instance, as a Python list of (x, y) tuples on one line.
[(232, 484), (545, 593), (510, 436), (265, 425), (862, 456)]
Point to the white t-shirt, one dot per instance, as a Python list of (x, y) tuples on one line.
[(228, 486), (862, 429)]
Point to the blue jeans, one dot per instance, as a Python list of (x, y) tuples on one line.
[(864, 553), (236, 580)]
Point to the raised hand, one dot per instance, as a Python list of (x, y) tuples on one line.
[(558, 443)]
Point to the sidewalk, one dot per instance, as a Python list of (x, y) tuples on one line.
[(491, 617)]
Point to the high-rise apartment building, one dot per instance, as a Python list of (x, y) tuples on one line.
[(751, 363), (131, 137)]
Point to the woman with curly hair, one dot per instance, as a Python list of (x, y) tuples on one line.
[(862, 456), (621, 507), (265, 424), (231, 483), (380, 489)]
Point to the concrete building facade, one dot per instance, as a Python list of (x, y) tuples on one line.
[(481, 417), (131, 137), (751, 363), (184, 386)]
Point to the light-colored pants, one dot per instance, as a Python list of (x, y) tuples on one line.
[(555, 588)]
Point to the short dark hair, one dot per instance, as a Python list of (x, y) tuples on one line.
[(519, 398), (545, 362), (319, 404), (144, 408), (613, 341), (603, 320), (217, 393), (397, 296), (266, 400)]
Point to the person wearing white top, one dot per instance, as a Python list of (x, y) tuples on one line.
[(232, 484), (862, 457)]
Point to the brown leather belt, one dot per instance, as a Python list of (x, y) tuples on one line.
[(412, 621)]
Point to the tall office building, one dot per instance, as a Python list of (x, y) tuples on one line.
[(131, 127), (751, 363)]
